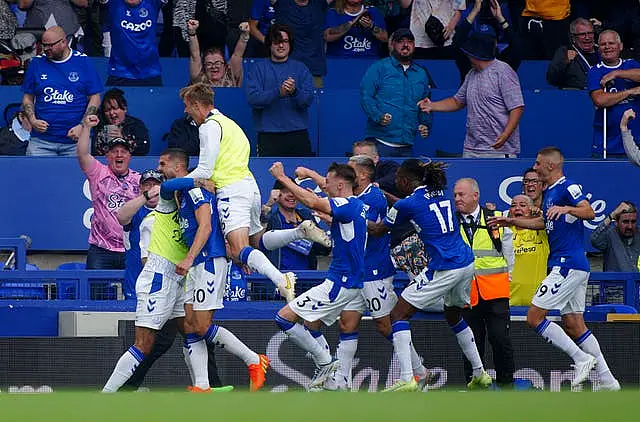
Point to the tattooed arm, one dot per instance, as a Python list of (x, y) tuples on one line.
[(336, 32)]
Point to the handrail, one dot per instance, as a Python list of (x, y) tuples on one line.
[(20, 246), (629, 281)]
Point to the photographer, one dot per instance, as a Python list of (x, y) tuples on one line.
[(354, 30)]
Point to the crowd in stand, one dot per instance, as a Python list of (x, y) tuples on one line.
[(591, 46)]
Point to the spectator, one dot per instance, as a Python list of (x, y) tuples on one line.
[(618, 237), (613, 85), (41, 13), (543, 27), (111, 186), (433, 22), (15, 137), (306, 20), (354, 30), (59, 89), (300, 254), (216, 71), (494, 257), (623, 16), (134, 60), (213, 14), (533, 187), (184, 134), (263, 15), (8, 22), (395, 15), (280, 92), (89, 21), (175, 14), (630, 147), (570, 64), (531, 250), (491, 92), (508, 48), (116, 123), (389, 92)]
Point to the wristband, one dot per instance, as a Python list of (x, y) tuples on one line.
[(191, 35)]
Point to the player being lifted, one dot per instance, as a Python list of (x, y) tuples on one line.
[(205, 267), (324, 302), (450, 267), (377, 295), (224, 158), (564, 208)]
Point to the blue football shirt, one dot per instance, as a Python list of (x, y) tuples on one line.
[(377, 259), (357, 42), (190, 201), (614, 113), (61, 91), (263, 12), (349, 235), (566, 234), (133, 35), (433, 216)]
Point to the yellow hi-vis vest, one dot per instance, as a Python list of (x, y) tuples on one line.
[(232, 164), (166, 235), (491, 279)]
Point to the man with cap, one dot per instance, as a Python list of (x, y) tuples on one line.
[(492, 94), (389, 93), (111, 185)]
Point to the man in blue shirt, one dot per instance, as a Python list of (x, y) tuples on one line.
[(134, 60), (613, 85), (205, 267), (389, 93), (564, 208), (263, 15), (450, 267), (354, 31), (326, 301), (60, 89), (280, 92), (306, 19)]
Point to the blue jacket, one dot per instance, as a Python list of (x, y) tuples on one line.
[(387, 88)]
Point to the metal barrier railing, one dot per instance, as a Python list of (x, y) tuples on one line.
[(603, 288)]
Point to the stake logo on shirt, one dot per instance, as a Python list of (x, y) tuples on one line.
[(356, 45), (52, 95)]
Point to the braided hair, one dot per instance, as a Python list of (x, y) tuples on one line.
[(430, 174)]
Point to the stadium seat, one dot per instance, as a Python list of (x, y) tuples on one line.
[(67, 289), (99, 290), (23, 290), (615, 309)]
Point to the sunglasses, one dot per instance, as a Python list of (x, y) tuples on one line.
[(49, 45)]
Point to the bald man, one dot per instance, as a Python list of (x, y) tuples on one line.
[(60, 89)]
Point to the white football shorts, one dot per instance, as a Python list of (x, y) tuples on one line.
[(206, 283), (562, 289), (239, 206), (161, 293), (454, 285), (314, 304), (377, 297)]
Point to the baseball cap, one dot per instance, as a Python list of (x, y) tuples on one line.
[(151, 174), (402, 33), (119, 141)]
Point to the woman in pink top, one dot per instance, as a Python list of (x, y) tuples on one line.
[(111, 186)]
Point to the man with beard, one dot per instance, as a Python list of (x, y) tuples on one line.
[(60, 89), (280, 92), (111, 186), (570, 64), (618, 237), (389, 93)]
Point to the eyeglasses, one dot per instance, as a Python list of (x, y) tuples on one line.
[(209, 65), (49, 45), (583, 34), (530, 181)]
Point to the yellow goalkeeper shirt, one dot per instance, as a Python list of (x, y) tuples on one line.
[(531, 249)]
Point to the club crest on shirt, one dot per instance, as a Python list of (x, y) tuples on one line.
[(143, 13), (73, 77), (43, 77)]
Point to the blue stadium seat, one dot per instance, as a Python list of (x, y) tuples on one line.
[(17, 290), (99, 290), (615, 308), (67, 289)]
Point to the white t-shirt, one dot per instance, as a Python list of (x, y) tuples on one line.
[(442, 9)]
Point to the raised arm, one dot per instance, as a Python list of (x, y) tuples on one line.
[(308, 198), (83, 151), (235, 61), (305, 173), (630, 146), (536, 223), (131, 207), (195, 59)]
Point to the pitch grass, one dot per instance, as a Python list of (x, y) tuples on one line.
[(437, 406)]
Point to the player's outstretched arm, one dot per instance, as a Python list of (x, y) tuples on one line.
[(536, 223), (131, 207), (305, 173), (308, 198)]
